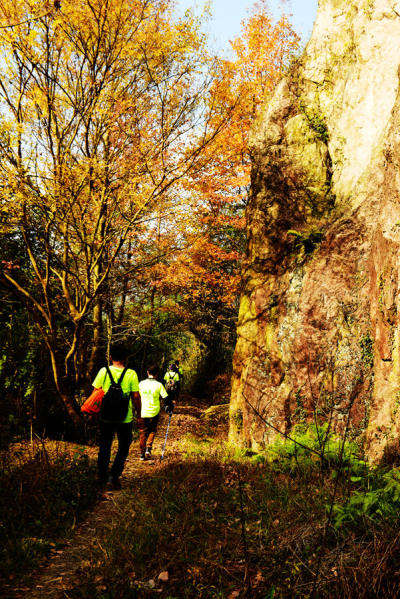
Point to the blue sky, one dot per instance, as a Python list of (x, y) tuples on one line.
[(228, 14)]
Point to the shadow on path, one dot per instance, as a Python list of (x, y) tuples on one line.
[(62, 569)]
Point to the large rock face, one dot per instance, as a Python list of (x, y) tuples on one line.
[(318, 332)]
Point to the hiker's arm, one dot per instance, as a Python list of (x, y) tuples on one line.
[(136, 402), (99, 381), (168, 403)]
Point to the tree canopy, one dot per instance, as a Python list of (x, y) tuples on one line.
[(124, 173)]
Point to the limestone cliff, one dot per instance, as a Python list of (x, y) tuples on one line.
[(318, 331)]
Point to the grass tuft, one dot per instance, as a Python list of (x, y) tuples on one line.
[(45, 489)]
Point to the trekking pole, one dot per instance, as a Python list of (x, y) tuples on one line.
[(166, 437)]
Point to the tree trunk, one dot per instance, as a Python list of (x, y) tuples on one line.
[(97, 338), (69, 402)]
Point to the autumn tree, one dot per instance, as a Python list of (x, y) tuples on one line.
[(103, 111), (205, 275)]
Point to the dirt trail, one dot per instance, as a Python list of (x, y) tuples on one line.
[(62, 570)]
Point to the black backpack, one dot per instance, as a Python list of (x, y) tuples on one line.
[(115, 403)]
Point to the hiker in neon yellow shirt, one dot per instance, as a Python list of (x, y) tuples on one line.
[(122, 428), (172, 382), (150, 392)]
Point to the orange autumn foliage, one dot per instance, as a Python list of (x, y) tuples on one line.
[(208, 270)]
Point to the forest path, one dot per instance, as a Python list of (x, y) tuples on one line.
[(63, 568)]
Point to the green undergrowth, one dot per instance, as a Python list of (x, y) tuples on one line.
[(373, 493), (44, 491), (227, 523), (375, 500), (311, 446)]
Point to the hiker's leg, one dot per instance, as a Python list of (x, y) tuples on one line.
[(142, 434), (124, 434), (105, 442), (152, 429)]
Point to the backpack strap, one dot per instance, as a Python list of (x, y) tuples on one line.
[(120, 378), (122, 375), (110, 375)]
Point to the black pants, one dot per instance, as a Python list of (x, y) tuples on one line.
[(124, 435)]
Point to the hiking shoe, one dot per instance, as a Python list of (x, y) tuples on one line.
[(148, 453), (142, 457)]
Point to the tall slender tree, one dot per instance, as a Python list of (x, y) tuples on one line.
[(103, 111)]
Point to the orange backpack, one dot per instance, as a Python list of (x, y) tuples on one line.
[(93, 403)]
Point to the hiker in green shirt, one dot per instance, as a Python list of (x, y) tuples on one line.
[(179, 370), (150, 392), (171, 379), (122, 428)]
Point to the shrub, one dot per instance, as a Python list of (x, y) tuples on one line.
[(376, 499), (43, 494)]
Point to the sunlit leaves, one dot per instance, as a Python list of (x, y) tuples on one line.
[(209, 271), (103, 112)]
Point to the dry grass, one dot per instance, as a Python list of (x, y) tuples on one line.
[(211, 522), (46, 487)]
